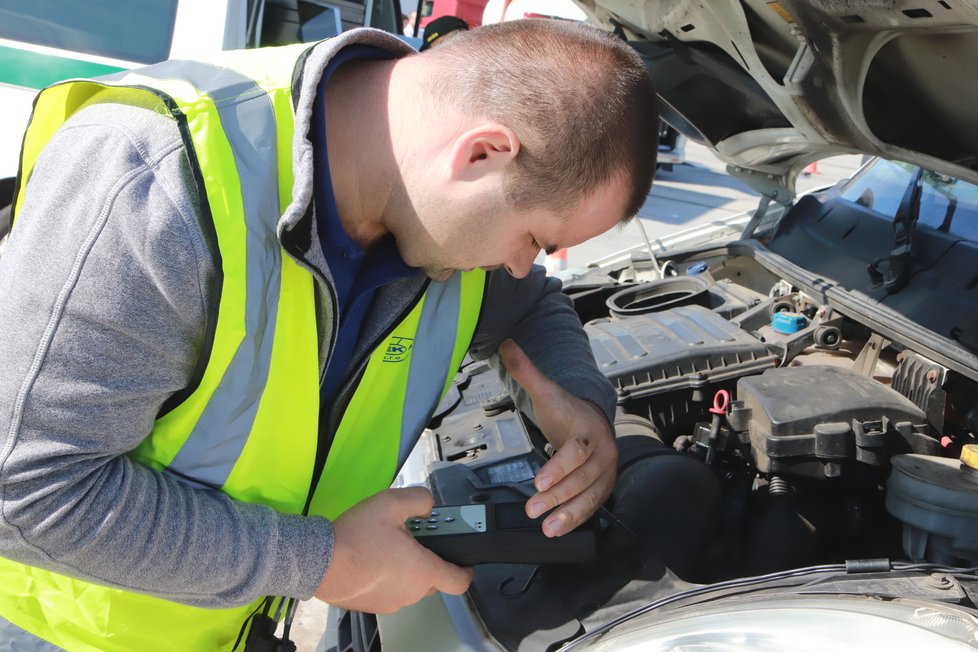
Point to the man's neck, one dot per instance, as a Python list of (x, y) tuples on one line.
[(361, 164)]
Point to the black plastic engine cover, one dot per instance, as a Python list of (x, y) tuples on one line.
[(686, 347), (815, 421)]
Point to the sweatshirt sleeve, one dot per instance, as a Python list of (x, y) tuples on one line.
[(541, 319), (104, 285)]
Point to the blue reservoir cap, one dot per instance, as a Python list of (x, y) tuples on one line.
[(696, 268), (788, 322)]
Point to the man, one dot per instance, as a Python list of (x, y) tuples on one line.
[(235, 294), (409, 21)]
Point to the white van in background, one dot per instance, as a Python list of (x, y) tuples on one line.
[(45, 42)]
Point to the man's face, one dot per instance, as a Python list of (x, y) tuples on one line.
[(493, 236)]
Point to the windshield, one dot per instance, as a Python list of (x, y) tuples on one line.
[(946, 205), (133, 30), (880, 187)]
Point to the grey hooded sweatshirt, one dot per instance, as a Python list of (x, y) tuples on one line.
[(104, 293)]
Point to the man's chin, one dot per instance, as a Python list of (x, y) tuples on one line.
[(442, 275), (439, 275)]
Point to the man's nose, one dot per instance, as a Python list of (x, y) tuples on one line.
[(520, 265)]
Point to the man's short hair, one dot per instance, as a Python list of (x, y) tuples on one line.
[(579, 99)]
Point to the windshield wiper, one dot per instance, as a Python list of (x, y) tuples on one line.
[(892, 272)]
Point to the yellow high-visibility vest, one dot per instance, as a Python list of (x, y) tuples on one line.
[(251, 425)]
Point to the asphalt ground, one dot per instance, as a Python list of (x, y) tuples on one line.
[(696, 192)]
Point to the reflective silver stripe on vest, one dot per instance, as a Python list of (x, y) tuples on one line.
[(248, 119), (435, 341)]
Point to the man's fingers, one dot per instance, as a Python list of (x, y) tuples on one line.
[(576, 471), (377, 565), (576, 511), (586, 472), (523, 371), (571, 455)]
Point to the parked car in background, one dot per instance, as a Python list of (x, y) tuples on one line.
[(672, 147), (797, 388)]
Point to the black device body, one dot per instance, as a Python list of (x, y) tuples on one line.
[(501, 532)]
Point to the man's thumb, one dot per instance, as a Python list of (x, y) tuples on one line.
[(412, 501)]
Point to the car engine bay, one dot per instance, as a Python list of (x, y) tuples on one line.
[(762, 426)]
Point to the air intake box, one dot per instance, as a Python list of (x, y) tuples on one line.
[(688, 347), (815, 421)]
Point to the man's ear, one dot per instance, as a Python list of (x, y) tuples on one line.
[(486, 149)]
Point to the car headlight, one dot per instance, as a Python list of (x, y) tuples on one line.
[(800, 624)]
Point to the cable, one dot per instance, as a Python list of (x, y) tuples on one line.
[(709, 588), (936, 568), (289, 615), (648, 244)]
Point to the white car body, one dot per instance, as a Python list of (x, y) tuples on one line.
[(200, 28)]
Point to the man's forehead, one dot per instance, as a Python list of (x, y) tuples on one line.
[(604, 206), (591, 217)]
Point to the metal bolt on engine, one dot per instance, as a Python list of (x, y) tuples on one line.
[(940, 581)]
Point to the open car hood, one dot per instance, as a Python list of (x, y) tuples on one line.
[(771, 86)]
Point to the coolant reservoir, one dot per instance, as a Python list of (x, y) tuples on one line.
[(936, 498)]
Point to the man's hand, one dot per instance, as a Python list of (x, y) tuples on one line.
[(377, 566), (581, 474)]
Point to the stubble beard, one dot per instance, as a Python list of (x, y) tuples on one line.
[(438, 274)]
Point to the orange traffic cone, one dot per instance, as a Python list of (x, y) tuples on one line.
[(556, 262)]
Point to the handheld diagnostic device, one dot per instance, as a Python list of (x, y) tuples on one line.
[(487, 533)]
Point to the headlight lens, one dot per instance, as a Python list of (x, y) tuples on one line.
[(801, 624)]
